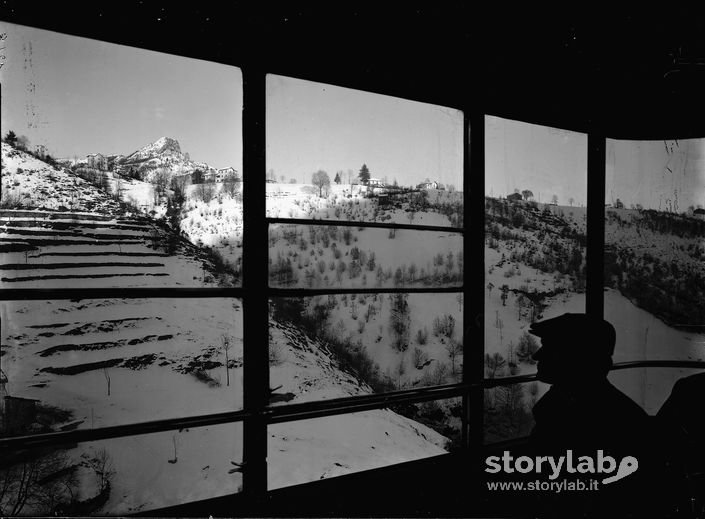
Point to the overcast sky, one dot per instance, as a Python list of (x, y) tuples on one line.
[(544, 160), (79, 96), (312, 126), (663, 175)]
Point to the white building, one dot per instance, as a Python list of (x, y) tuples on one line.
[(223, 174), (428, 185)]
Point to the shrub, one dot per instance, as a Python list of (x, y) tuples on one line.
[(528, 345), (444, 326), (422, 336), (400, 320), (205, 377), (419, 358)]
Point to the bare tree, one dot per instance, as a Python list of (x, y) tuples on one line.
[(102, 465), (204, 192), (106, 374), (454, 348), (320, 180), (38, 481), (494, 364), (176, 458), (225, 340), (117, 189), (160, 179), (420, 358), (231, 184)]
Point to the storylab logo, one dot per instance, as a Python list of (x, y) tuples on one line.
[(554, 467)]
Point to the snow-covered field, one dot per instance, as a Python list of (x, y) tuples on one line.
[(318, 256), (345, 202)]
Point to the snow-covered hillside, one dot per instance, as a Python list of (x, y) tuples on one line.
[(107, 362), (28, 182), (101, 362), (214, 221), (656, 259)]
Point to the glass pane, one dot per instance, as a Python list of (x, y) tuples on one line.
[(124, 475), (654, 248), (345, 257), (508, 410), (535, 226), (339, 154), (649, 387), (100, 362), (120, 166), (321, 448), (343, 345)]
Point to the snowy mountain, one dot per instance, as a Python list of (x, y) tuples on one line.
[(163, 154), (162, 147)]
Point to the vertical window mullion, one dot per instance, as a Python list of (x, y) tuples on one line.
[(595, 224), (473, 251), (255, 304)]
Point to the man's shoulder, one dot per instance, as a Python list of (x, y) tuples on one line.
[(622, 406)]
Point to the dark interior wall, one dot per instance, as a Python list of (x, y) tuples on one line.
[(634, 73)]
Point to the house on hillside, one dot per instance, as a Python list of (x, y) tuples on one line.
[(97, 161), (224, 173), (431, 184), (375, 182), (699, 213), (515, 197)]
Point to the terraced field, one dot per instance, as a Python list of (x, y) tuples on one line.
[(101, 362), (68, 249)]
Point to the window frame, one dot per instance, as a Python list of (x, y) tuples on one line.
[(255, 292)]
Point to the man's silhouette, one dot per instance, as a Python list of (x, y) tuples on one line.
[(582, 410)]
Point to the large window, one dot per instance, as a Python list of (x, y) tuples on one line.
[(121, 187), (169, 337), (377, 322)]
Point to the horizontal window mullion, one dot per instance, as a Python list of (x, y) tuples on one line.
[(697, 364), (118, 431), (49, 294), (378, 225), (322, 408)]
